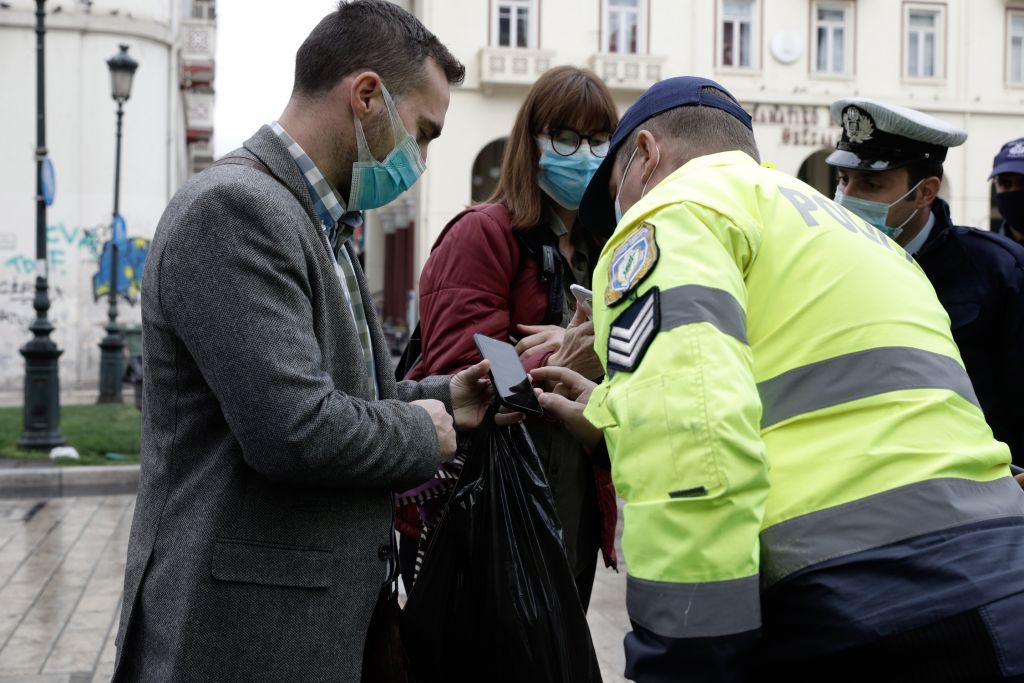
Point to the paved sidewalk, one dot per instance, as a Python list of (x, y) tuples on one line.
[(61, 567)]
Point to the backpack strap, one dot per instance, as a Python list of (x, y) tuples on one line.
[(540, 245)]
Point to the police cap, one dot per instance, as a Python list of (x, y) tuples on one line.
[(879, 136), (596, 210)]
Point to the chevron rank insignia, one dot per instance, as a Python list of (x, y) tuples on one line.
[(631, 262), (633, 331)]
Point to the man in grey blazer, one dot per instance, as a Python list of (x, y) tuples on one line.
[(273, 432)]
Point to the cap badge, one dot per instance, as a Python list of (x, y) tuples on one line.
[(858, 125), (1017, 150)]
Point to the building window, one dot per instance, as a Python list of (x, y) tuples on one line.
[(832, 38), (623, 34), (204, 9), (1015, 43), (924, 44), (513, 25), (737, 37)]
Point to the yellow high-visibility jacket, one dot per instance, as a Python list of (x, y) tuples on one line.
[(782, 389)]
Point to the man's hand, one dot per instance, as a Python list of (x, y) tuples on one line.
[(539, 339), (472, 395), (443, 426), (1020, 480), (576, 351), (566, 400)]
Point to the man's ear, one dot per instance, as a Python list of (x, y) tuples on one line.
[(927, 191), (648, 153), (363, 90)]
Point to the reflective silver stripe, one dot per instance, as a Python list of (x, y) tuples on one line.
[(688, 304), (694, 610), (858, 375), (896, 515)]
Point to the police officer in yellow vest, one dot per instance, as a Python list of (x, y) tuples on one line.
[(812, 492)]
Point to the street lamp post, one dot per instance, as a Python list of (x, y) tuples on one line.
[(122, 68), (42, 383)]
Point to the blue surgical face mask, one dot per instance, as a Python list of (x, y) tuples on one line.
[(376, 183), (618, 206), (876, 213), (565, 178)]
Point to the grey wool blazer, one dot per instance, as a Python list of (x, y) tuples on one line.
[(264, 515)]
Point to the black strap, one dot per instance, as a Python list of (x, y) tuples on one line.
[(411, 355), (539, 242)]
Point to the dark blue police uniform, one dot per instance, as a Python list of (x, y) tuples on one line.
[(979, 278)]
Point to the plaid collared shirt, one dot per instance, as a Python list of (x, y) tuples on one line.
[(339, 226)]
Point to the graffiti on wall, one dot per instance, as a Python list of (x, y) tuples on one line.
[(73, 258)]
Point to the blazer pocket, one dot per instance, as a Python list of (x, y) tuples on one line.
[(268, 564)]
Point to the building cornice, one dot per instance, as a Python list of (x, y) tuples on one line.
[(92, 23)]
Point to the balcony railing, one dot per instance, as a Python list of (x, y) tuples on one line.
[(197, 40), (512, 65), (198, 115), (628, 71)]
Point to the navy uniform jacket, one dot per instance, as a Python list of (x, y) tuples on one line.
[(1004, 230), (979, 277)]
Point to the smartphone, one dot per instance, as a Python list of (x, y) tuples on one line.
[(585, 298), (508, 375)]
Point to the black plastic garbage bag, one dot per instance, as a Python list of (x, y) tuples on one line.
[(495, 599)]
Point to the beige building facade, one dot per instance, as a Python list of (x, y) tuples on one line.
[(786, 61)]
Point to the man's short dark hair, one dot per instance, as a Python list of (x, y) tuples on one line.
[(919, 170), (697, 131), (371, 35)]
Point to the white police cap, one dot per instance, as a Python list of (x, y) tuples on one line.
[(879, 136)]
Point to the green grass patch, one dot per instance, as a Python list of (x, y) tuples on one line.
[(94, 430)]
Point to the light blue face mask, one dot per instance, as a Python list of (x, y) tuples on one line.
[(876, 213), (376, 183), (565, 178)]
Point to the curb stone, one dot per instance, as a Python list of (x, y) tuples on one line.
[(54, 482)]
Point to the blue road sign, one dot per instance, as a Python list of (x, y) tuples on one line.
[(120, 231), (49, 181)]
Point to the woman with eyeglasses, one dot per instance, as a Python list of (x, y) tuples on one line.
[(504, 269)]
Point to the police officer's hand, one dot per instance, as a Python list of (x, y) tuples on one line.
[(567, 396), (539, 339), (577, 350)]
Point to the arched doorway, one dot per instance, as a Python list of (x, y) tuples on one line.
[(487, 170), (819, 175)]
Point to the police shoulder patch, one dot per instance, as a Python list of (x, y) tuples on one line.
[(631, 262), (633, 331)]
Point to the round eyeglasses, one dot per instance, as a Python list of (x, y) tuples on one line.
[(566, 141)]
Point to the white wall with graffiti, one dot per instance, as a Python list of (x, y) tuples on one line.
[(81, 142)]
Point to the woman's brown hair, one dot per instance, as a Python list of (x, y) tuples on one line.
[(563, 97)]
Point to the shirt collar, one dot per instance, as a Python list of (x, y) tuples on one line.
[(914, 245), (330, 207), (554, 221)]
